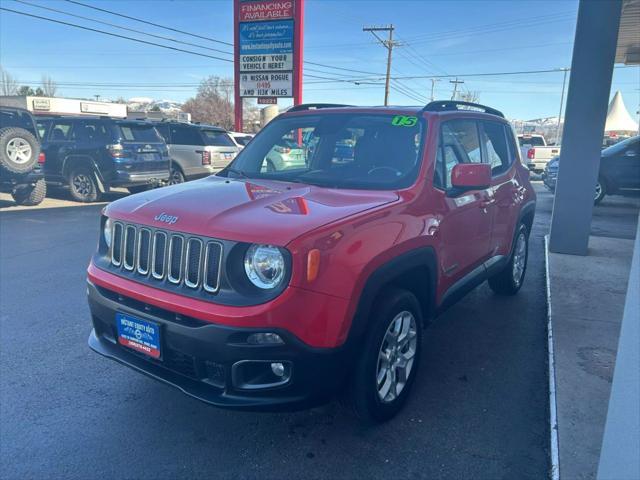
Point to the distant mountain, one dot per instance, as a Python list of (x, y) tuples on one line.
[(145, 104), (547, 126)]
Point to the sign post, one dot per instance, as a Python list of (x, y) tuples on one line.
[(268, 52)]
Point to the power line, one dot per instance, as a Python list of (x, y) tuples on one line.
[(341, 68), (149, 34), (115, 35), (122, 28), (150, 23)]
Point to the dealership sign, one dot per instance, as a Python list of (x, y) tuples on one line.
[(272, 84), (265, 10), (268, 51)]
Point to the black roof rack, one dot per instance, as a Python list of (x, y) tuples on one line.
[(315, 106), (446, 105)]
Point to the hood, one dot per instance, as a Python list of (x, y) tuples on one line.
[(258, 211)]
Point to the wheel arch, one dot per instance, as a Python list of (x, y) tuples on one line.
[(526, 216), (73, 161), (414, 271)]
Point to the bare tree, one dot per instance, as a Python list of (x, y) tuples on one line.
[(8, 83), (469, 96), (49, 87), (212, 103)]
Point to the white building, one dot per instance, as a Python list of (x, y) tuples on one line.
[(64, 106)]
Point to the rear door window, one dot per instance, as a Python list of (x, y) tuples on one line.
[(60, 131), (217, 138), (183, 135), (88, 131)]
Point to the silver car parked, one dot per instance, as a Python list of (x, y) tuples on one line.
[(196, 150)]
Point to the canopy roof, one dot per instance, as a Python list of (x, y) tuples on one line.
[(618, 118)]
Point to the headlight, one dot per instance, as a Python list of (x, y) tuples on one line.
[(264, 265), (107, 231)]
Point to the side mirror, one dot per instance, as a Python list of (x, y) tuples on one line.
[(470, 176)]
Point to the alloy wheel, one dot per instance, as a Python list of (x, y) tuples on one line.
[(81, 184), (396, 356), (519, 258), (176, 177), (19, 151), (598, 190)]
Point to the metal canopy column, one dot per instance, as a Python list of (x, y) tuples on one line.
[(594, 52)]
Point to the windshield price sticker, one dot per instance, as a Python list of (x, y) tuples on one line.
[(404, 121)]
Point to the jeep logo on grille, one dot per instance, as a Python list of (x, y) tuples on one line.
[(163, 217)]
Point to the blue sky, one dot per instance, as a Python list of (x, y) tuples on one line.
[(438, 37)]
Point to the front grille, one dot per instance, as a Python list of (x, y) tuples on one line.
[(161, 256)]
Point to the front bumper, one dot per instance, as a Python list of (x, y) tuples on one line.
[(128, 179), (199, 357)]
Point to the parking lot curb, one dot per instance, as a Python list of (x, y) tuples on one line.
[(553, 414)]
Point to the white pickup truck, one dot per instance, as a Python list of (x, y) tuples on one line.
[(535, 152)]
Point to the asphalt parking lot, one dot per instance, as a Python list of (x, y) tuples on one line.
[(479, 408)]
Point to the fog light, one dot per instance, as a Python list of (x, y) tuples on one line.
[(259, 374), (278, 369), (264, 338)]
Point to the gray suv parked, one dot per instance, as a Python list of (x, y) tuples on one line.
[(196, 150)]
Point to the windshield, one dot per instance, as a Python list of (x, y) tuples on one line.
[(620, 146), (335, 150), (132, 132), (533, 141)]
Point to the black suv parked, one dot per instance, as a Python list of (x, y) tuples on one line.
[(619, 170), (92, 154), (20, 157)]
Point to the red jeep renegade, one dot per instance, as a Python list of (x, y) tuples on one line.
[(311, 265)]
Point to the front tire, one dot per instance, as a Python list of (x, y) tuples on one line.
[(30, 195), (387, 366), (83, 186), (509, 280)]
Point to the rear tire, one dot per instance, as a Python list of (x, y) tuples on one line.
[(30, 195), (601, 191), (509, 280), (83, 186), (19, 150), (387, 366), (176, 176)]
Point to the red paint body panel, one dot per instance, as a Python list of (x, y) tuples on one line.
[(356, 232), (312, 317)]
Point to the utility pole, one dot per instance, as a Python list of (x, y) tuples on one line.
[(455, 87), (564, 81), (97, 97), (388, 44), (433, 84)]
